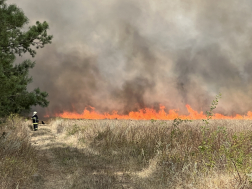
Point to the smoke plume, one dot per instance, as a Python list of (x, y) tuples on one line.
[(129, 54)]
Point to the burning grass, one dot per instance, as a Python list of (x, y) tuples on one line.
[(161, 154)]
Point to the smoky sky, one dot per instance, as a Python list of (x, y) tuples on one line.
[(129, 54)]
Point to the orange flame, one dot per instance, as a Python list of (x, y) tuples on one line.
[(148, 114), (47, 116)]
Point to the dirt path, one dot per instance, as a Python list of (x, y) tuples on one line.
[(65, 165), (48, 175)]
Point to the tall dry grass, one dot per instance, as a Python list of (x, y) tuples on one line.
[(166, 154), (133, 154), (18, 159)]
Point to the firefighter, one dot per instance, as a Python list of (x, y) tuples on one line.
[(35, 121)]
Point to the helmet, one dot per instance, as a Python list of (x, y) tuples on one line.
[(34, 113)]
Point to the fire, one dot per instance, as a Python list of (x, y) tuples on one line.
[(47, 116), (148, 114)]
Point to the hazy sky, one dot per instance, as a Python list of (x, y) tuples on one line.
[(128, 54)]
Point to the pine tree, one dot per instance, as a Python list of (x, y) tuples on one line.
[(14, 78)]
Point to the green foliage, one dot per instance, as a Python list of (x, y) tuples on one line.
[(14, 97), (212, 107), (153, 120), (73, 130), (234, 150)]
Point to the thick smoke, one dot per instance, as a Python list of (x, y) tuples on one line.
[(129, 54)]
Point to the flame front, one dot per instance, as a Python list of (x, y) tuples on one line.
[(148, 114)]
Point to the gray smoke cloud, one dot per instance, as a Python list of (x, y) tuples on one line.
[(129, 54)]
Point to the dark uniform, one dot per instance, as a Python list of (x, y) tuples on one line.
[(35, 122)]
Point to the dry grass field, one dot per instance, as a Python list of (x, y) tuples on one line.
[(157, 154), (18, 158), (100, 154)]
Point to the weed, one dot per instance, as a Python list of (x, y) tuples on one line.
[(73, 130)]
